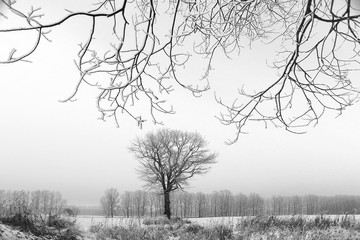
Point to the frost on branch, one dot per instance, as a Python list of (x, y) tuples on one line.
[(136, 65)]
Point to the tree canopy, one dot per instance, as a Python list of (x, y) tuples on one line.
[(169, 159), (148, 41), (110, 202)]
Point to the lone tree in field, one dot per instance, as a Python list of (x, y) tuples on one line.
[(110, 202), (145, 44), (169, 159)]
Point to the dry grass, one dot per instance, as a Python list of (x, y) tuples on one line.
[(251, 228)]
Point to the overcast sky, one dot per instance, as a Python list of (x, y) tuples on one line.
[(46, 144)]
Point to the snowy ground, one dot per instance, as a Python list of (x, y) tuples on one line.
[(9, 233), (84, 222)]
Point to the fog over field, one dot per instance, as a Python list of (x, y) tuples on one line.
[(48, 144)]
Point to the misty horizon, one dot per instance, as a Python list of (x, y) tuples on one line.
[(63, 146)]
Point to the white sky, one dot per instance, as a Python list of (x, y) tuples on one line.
[(45, 144)]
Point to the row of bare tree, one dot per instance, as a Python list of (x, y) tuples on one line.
[(41, 203), (224, 203)]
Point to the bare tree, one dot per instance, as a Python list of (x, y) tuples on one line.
[(215, 203), (225, 202), (241, 204), (56, 205), (148, 44), (188, 202), (44, 205), (169, 158), (126, 200), (140, 203), (156, 200), (256, 204), (110, 202), (200, 199), (20, 201), (3, 203), (152, 203)]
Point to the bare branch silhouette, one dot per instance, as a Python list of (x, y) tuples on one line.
[(149, 43)]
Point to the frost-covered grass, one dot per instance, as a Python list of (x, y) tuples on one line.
[(85, 222), (29, 226), (246, 228), (234, 220)]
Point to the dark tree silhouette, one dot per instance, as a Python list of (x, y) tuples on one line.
[(150, 40), (169, 159)]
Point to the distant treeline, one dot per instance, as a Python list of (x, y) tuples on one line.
[(40, 203), (225, 203), (90, 211), (184, 204)]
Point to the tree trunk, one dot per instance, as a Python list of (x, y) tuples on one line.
[(167, 210)]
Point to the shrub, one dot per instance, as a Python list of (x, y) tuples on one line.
[(193, 228), (130, 233), (25, 222), (156, 221), (56, 227), (163, 220), (224, 232), (95, 228)]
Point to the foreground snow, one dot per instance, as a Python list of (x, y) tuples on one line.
[(85, 222)]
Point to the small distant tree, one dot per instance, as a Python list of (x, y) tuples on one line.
[(200, 199), (110, 201), (169, 158), (75, 210), (256, 204), (3, 203), (126, 200), (140, 203), (72, 211), (155, 203), (225, 198)]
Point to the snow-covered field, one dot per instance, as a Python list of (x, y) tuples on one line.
[(86, 221)]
